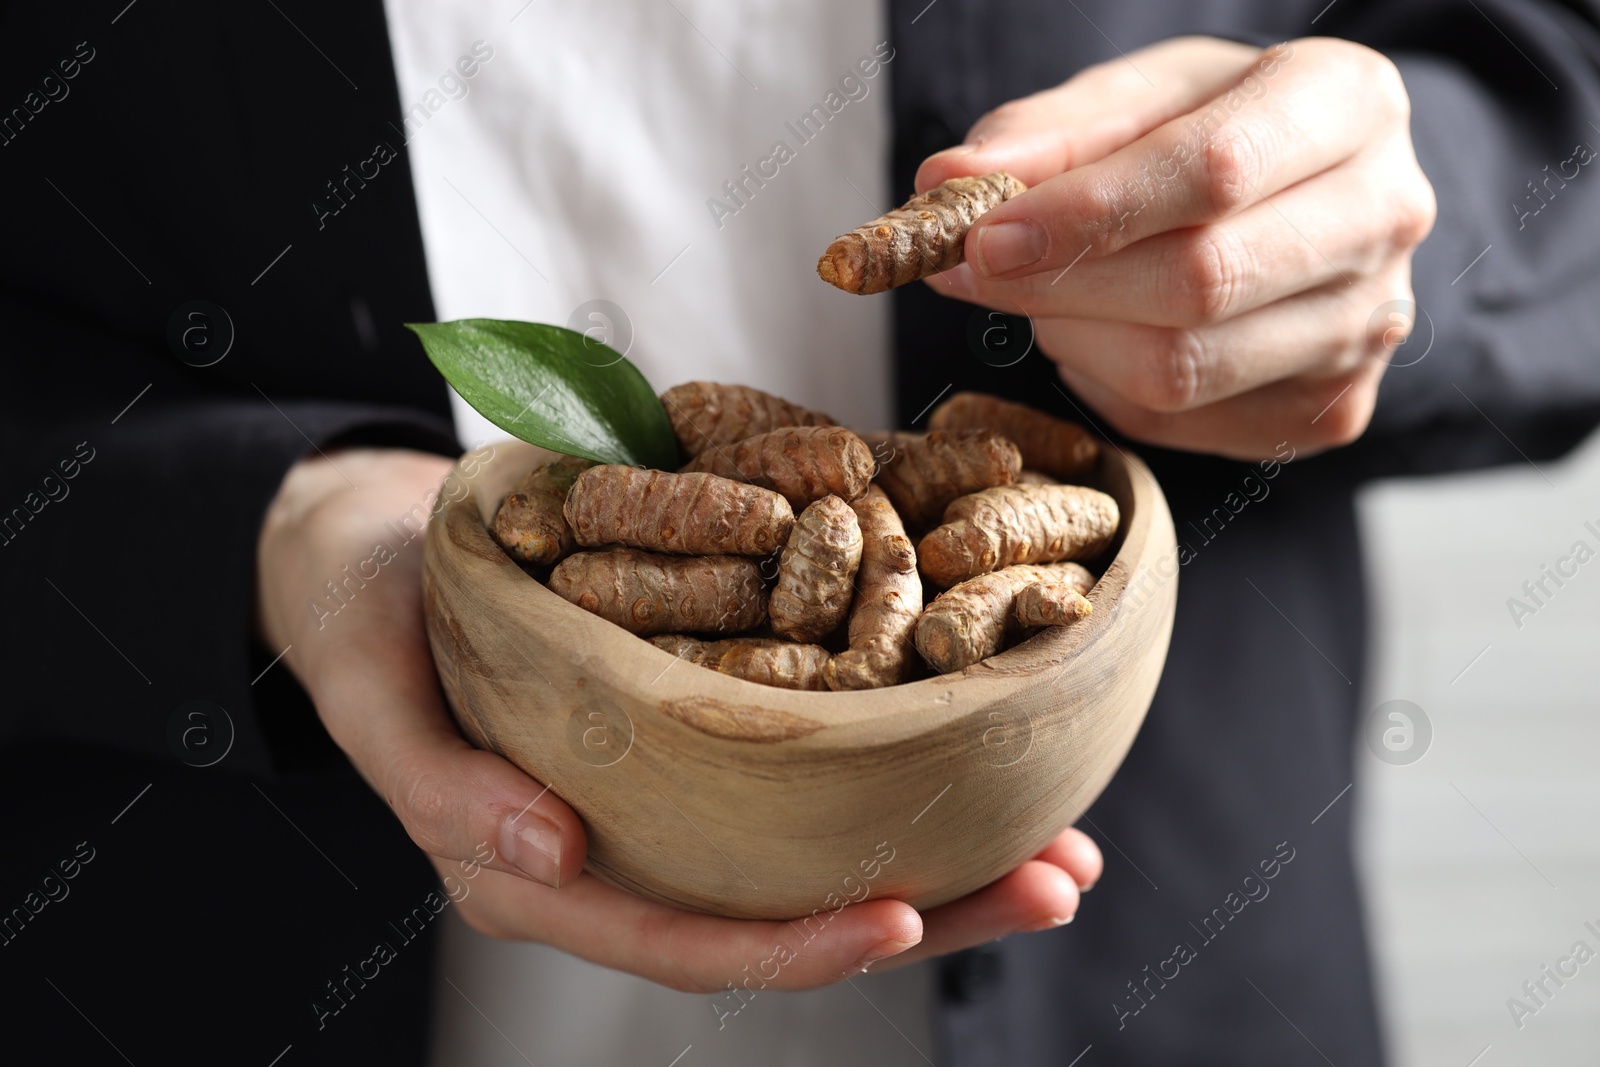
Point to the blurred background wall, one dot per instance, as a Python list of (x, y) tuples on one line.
[(1481, 859)]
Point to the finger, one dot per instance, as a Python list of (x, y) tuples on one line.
[(1092, 114), (1076, 853), (1309, 415), (689, 951), (1163, 369), (1310, 113), (455, 801), (1343, 224), (1035, 896)]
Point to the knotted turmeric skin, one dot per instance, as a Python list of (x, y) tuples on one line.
[(996, 528), (917, 240), (646, 594), (685, 514), (817, 571), (923, 473), (707, 414), (1060, 600), (887, 602), (766, 660), (529, 524), (974, 620), (1049, 445), (800, 463)]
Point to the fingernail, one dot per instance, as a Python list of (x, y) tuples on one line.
[(1009, 246), (1046, 924), (881, 951), (533, 846), (1086, 888)]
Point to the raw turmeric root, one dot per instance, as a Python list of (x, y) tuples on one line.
[(684, 514), (529, 524), (974, 619), (801, 463), (678, 554), (817, 571), (1074, 576), (887, 603), (705, 414), (1049, 445), (1013, 524), (925, 236), (923, 473), (766, 660), (649, 594), (1057, 601)]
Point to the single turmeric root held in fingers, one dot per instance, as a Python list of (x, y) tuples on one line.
[(917, 240)]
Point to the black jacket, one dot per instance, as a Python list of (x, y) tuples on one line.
[(161, 153)]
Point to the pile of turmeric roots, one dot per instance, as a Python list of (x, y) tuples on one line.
[(791, 531)]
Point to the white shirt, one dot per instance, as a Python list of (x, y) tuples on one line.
[(582, 159), (628, 151)]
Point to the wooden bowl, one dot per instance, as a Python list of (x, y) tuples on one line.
[(719, 795)]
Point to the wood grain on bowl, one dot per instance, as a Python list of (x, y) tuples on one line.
[(721, 795)]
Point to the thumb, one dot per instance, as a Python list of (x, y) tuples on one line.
[(464, 804), (1092, 114)]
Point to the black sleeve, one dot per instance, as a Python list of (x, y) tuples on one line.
[(163, 160), (1504, 362), (129, 565)]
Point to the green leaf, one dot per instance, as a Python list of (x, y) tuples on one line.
[(553, 387)]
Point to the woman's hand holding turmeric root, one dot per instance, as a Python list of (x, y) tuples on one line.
[(1206, 234), (369, 672)]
